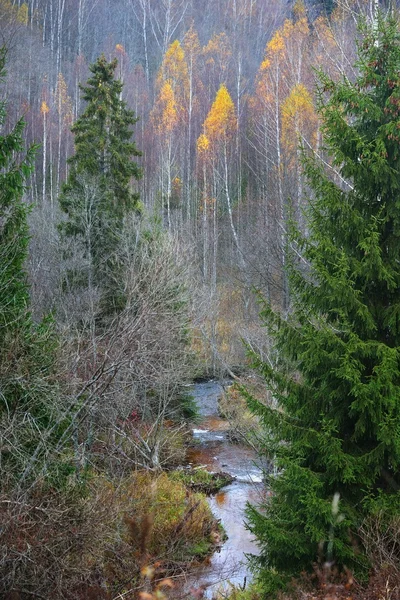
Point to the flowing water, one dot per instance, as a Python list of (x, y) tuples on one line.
[(213, 450)]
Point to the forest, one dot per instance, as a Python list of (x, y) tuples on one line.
[(194, 196)]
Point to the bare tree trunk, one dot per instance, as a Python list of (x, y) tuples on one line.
[(169, 185), (144, 30), (229, 205), (215, 239), (189, 143), (205, 226), (44, 165), (60, 18), (80, 25), (51, 163), (281, 208), (60, 120)]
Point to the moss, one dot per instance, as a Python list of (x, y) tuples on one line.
[(202, 481), (201, 549), (145, 516), (174, 514)]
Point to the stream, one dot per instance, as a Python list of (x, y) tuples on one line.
[(213, 450)]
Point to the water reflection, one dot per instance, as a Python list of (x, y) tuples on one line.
[(220, 498), (228, 565)]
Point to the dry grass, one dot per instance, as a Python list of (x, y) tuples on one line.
[(95, 543)]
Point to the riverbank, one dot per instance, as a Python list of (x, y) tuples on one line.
[(125, 530)]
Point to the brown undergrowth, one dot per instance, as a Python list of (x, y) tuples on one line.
[(101, 540), (328, 584)]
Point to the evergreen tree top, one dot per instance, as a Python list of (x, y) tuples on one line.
[(103, 96), (361, 119), (103, 146)]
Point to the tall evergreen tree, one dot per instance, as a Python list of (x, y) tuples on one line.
[(28, 405), (14, 296), (336, 431), (97, 194)]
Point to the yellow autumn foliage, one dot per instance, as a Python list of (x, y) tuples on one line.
[(174, 70), (191, 44), (292, 30), (298, 117), (325, 35), (221, 121), (218, 51), (44, 109), (281, 67), (165, 113), (276, 45), (62, 101), (299, 10), (274, 55), (203, 143), (23, 14)]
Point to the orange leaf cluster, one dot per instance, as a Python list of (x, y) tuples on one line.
[(119, 48)]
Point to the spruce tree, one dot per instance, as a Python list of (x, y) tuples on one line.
[(97, 194), (336, 430), (28, 406), (14, 239)]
